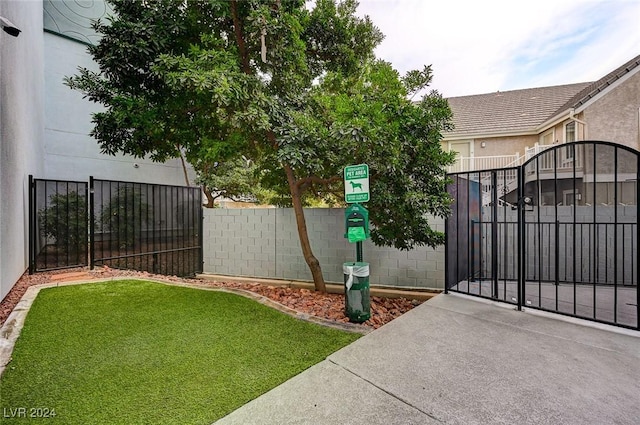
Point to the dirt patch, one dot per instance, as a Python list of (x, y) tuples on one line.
[(327, 306)]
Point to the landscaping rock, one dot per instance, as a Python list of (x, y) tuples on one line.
[(327, 306)]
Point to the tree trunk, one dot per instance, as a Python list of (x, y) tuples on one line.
[(312, 261), (210, 197), (184, 168)]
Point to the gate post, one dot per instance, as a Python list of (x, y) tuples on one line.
[(472, 259), (92, 222), (446, 255), (494, 234), (32, 225), (521, 237)]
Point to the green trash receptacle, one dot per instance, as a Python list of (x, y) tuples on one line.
[(357, 305)]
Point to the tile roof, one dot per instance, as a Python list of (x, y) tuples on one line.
[(509, 111), (522, 111), (596, 87)]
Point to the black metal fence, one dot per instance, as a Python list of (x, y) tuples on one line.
[(58, 224), (139, 226), (560, 233)]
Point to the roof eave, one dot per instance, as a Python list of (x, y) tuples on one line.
[(490, 134), (554, 120)]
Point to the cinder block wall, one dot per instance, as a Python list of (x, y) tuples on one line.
[(264, 243), (590, 260)]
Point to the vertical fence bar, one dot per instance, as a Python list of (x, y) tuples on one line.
[(540, 229), (480, 228), (153, 230), (557, 259), (494, 234), (575, 199), (472, 256), (557, 229), (595, 232), (521, 236), (615, 235), (469, 224), (32, 225), (146, 230), (92, 224), (458, 220), (46, 225), (127, 221), (172, 238), (505, 236), (447, 272), (200, 224)]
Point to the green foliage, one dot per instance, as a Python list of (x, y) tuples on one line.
[(234, 179), (297, 91), (65, 220), (368, 119), (132, 352), (125, 214)]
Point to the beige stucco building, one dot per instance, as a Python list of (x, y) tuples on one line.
[(502, 129)]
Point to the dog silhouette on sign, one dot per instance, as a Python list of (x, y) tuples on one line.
[(355, 186)]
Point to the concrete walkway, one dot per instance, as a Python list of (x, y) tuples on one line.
[(455, 360)]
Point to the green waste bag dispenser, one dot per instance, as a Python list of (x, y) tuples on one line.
[(357, 305), (356, 223), (356, 274)]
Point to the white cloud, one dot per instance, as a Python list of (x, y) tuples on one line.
[(484, 46)]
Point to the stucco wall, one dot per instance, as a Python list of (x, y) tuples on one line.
[(264, 243), (495, 146), (614, 116), (21, 131), (70, 153), (44, 129)]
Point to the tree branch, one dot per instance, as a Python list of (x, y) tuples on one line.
[(184, 165), (210, 198), (238, 30), (307, 181)]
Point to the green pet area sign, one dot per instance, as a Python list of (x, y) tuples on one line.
[(356, 183)]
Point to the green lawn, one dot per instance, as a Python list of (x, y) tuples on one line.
[(132, 352)]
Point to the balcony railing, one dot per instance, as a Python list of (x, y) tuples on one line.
[(478, 163), (565, 160)]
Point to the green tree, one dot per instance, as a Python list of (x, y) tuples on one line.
[(298, 91), (234, 179), (124, 215), (65, 220)]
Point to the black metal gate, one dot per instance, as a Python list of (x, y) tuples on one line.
[(559, 233), (58, 224), (138, 226)]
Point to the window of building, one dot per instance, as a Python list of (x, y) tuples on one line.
[(547, 138), (569, 136)]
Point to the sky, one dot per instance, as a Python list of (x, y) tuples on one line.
[(484, 46)]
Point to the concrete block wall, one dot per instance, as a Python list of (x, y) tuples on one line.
[(594, 245), (265, 243)]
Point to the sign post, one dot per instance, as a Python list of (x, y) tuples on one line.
[(356, 183), (356, 275), (356, 190)]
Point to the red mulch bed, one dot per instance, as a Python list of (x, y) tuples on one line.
[(328, 306)]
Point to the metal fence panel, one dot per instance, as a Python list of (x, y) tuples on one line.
[(138, 226), (561, 236), (147, 227), (58, 222)]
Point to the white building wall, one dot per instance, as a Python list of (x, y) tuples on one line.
[(70, 153), (45, 126), (21, 131)]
